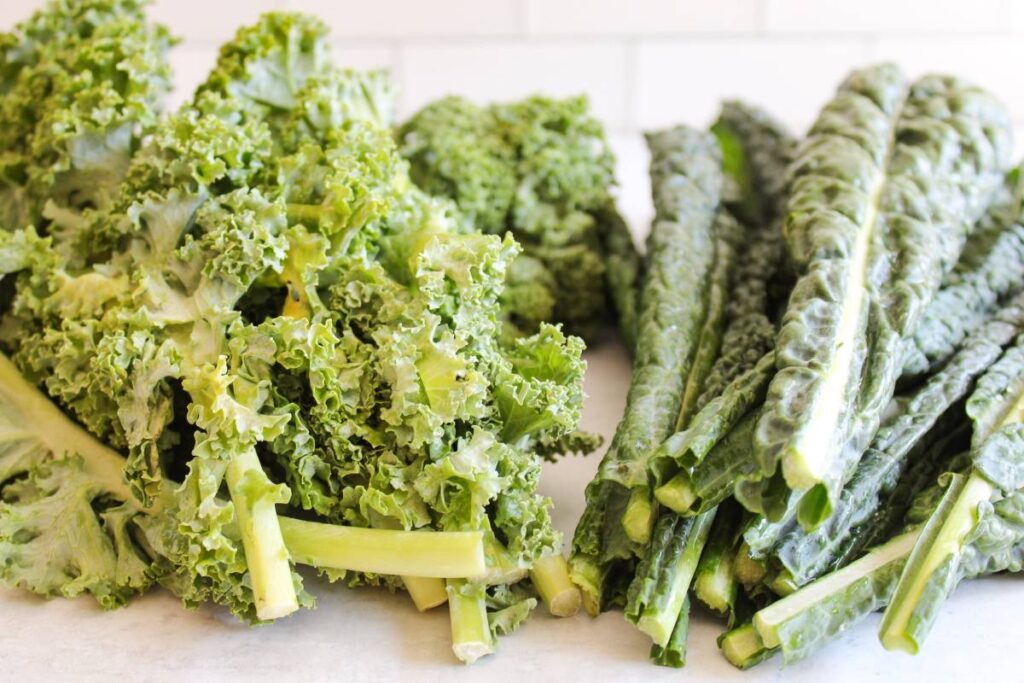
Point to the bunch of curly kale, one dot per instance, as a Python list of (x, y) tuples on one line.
[(250, 309)]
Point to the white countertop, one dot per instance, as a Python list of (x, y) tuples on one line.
[(371, 635)]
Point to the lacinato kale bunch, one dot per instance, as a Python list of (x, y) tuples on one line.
[(240, 338), (541, 170), (710, 206), (823, 410)]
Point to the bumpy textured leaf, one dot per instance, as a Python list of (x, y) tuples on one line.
[(999, 460), (990, 269), (805, 554), (995, 402), (941, 450), (680, 253), (756, 151), (943, 556), (765, 530), (624, 272), (935, 567), (268, 312), (540, 169), (507, 609), (861, 594), (67, 522), (267, 63), (688, 448), (731, 459), (709, 336), (82, 87), (888, 171)]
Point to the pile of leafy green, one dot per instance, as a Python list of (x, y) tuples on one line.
[(541, 170), (824, 417), (240, 338)]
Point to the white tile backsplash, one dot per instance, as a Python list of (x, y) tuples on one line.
[(993, 63), (191, 64), (887, 16), (373, 56), (649, 17), (209, 21), (684, 81), (633, 193), (500, 71), (363, 19)]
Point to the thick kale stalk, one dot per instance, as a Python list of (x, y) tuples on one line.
[(805, 554), (804, 621), (255, 499), (715, 583), (550, 576), (54, 473), (471, 630), (687, 181), (997, 410), (432, 554), (884, 191), (801, 621), (660, 588), (717, 447), (742, 647)]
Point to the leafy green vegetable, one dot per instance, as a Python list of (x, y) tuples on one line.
[(755, 151), (802, 622), (263, 311), (709, 341), (868, 263), (673, 653), (68, 523), (715, 583), (82, 84), (540, 169), (680, 254), (805, 554), (834, 601), (934, 568), (717, 446), (990, 269), (624, 272), (659, 591)]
